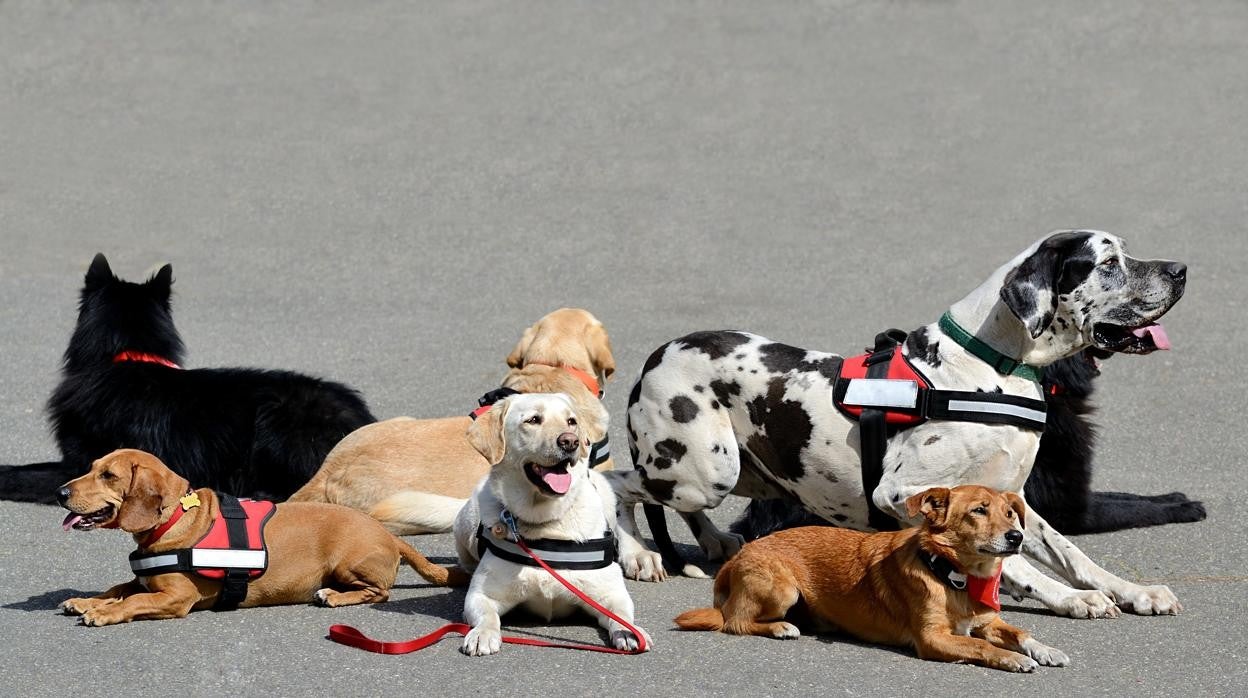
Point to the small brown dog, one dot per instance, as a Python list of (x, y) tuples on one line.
[(413, 475), (329, 554), (933, 587)]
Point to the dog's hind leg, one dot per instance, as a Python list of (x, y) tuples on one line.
[(367, 578), (1114, 511), (758, 601)]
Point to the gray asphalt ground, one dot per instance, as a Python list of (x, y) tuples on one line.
[(388, 193)]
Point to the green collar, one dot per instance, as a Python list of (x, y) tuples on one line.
[(998, 361)]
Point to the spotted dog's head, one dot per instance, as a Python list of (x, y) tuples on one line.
[(1079, 288), (535, 441)]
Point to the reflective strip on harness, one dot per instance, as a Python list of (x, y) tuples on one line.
[(237, 559), (138, 565), (882, 392), (1036, 416), (599, 452), (592, 554)]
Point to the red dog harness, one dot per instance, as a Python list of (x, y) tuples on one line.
[(143, 357), (232, 550), (885, 394)]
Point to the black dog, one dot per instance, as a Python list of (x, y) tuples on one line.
[(248, 432), (1059, 487)]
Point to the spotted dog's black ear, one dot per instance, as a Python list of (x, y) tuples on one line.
[(1031, 289)]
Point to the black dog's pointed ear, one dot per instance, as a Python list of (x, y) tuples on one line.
[(99, 273), (1030, 289), (162, 279)]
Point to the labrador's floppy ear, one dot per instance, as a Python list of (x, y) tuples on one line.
[(99, 273), (933, 504), (152, 487), (1019, 506), (486, 433), (140, 509), (516, 358), (598, 345)]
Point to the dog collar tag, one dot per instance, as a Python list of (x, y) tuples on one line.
[(190, 501), (510, 522), (986, 590)]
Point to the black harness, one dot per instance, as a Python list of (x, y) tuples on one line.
[(592, 554), (886, 394)]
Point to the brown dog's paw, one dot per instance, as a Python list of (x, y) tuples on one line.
[(1016, 663), (77, 607), (102, 615)]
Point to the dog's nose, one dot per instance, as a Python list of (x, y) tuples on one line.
[(62, 495), (1176, 271), (1014, 537), (568, 441)]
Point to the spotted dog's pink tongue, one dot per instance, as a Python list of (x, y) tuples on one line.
[(557, 481), (1155, 332), (70, 519)]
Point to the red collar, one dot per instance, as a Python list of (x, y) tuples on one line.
[(184, 504), (589, 381), (143, 357)]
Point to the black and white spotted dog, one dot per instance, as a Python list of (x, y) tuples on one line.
[(725, 412)]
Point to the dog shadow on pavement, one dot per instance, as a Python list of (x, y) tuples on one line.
[(48, 600)]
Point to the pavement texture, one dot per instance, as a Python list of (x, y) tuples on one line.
[(387, 193)]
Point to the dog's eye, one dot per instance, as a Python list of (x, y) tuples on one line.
[(107, 476), (1009, 513), (571, 421), (982, 511), (535, 419)]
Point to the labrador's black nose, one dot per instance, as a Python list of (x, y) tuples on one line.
[(568, 441), (62, 495), (1014, 537)]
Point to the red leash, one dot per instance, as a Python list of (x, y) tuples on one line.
[(348, 635)]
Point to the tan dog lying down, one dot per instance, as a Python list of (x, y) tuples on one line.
[(316, 552), (898, 588), (413, 475)]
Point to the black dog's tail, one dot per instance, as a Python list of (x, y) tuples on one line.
[(37, 482)]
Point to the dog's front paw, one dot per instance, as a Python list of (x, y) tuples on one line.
[(1016, 663), (482, 641), (1087, 604), (1149, 601), (77, 607), (102, 615), (1048, 656), (625, 640), (643, 565)]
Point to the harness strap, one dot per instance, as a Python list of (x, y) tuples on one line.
[(873, 432), (485, 402), (348, 635), (143, 357), (593, 554), (600, 451), (234, 585)]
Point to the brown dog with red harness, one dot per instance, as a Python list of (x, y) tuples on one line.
[(324, 553), (932, 587)]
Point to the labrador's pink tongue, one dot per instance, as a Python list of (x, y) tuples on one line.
[(1156, 332), (559, 482), (70, 519)]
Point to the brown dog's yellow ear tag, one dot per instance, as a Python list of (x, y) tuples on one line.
[(190, 501)]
